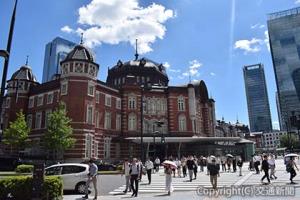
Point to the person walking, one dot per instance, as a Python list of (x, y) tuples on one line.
[(271, 162), (195, 168), (256, 161), (126, 169), (190, 165), (290, 167), (157, 164), (228, 162), (92, 177), (265, 168), (201, 163), (214, 172), (234, 164), (240, 165), (168, 173), (183, 164), (134, 176), (149, 167), (179, 166)]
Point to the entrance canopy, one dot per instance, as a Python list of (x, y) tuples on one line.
[(148, 139)]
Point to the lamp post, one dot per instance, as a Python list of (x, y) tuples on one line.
[(143, 88)]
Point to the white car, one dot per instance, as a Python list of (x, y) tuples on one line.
[(74, 175)]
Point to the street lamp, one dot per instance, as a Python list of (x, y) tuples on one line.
[(4, 54), (143, 88)]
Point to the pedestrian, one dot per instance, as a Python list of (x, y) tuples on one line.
[(157, 164), (228, 162), (201, 163), (134, 176), (149, 167), (214, 172), (178, 163), (142, 170), (195, 168), (240, 165), (126, 169), (190, 165), (265, 167), (223, 162), (271, 162), (169, 186), (234, 164), (256, 161), (183, 163), (290, 167), (251, 164), (92, 177)]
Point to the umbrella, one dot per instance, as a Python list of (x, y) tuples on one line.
[(170, 163), (291, 155), (204, 158), (213, 157), (229, 155)]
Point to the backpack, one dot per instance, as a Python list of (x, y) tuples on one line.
[(289, 167)]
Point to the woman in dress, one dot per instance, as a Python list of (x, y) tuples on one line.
[(168, 172)]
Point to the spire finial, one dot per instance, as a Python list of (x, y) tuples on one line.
[(26, 63), (136, 50), (237, 118), (81, 38)]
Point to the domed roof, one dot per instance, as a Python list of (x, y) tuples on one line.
[(143, 62), (80, 52), (24, 73)]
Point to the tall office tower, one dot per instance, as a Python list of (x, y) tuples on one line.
[(55, 52), (257, 98), (284, 34)]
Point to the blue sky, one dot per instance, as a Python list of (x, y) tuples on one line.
[(210, 39)]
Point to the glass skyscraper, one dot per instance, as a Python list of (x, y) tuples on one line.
[(284, 34), (55, 52), (257, 98)]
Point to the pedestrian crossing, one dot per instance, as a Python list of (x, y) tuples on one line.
[(181, 184)]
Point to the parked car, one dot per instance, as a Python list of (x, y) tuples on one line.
[(106, 167), (74, 175)]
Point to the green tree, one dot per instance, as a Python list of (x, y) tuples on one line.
[(59, 133), (17, 132), (288, 140)]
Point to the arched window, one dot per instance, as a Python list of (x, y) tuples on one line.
[(131, 122), (182, 122)]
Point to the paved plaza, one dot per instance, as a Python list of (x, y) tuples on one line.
[(249, 185)]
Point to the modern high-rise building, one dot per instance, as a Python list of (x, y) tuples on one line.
[(284, 34), (257, 98), (55, 52)]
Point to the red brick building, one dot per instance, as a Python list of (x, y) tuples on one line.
[(105, 114)]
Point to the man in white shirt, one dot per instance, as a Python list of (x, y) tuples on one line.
[(271, 162), (92, 177), (157, 163), (126, 170), (256, 161), (149, 167), (134, 176)]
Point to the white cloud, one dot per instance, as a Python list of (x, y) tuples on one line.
[(297, 1), (67, 29), (212, 73), (194, 66), (258, 25), (166, 65), (175, 70), (180, 77), (266, 40), (117, 21), (275, 125), (251, 46)]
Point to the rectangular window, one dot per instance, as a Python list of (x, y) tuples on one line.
[(91, 89), (96, 149), (64, 88), (132, 102), (29, 121), (107, 100), (118, 122), (40, 100), (97, 119), (50, 98), (47, 115), (89, 118), (181, 104), (7, 102), (38, 120), (107, 147), (107, 122), (97, 97), (88, 145), (118, 103), (31, 102)]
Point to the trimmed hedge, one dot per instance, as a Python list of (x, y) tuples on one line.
[(21, 188), (24, 169)]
